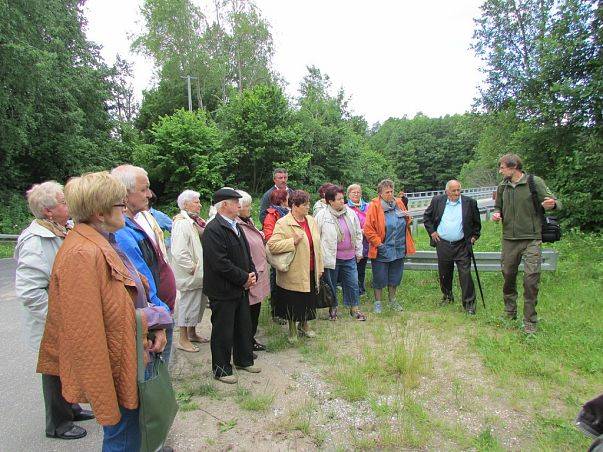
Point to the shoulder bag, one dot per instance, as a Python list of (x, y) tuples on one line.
[(157, 405), (281, 261)]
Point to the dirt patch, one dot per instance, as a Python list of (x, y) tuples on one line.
[(458, 394), (460, 391)]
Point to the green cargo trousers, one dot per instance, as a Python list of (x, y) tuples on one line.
[(512, 252)]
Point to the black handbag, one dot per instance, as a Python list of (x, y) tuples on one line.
[(551, 229), (326, 298)]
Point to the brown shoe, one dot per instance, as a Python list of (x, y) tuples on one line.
[(529, 328)]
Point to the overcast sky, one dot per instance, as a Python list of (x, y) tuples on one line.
[(393, 58)]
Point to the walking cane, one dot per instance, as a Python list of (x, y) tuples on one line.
[(479, 283)]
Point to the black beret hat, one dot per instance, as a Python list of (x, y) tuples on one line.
[(224, 194)]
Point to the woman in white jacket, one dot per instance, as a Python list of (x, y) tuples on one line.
[(187, 261), (36, 249), (341, 242)]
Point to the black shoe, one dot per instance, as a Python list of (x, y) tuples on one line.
[(255, 355), (471, 311), (84, 415), (166, 449), (257, 347), (75, 432)]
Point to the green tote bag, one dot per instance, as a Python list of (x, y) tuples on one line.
[(157, 401)]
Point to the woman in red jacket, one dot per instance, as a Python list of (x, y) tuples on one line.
[(279, 207), (279, 201)]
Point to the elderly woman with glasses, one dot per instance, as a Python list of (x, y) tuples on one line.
[(187, 260), (35, 252), (89, 340)]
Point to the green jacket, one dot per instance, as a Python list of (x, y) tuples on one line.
[(514, 202)]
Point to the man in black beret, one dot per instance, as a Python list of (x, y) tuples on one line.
[(228, 274)]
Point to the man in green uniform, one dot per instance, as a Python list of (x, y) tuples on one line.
[(521, 235)]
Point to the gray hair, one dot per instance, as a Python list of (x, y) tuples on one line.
[(213, 210), (245, 198), (385, 183), (43, 196), (279, 171), (450, 182), (126, 174), (352, 187), (187, 196)]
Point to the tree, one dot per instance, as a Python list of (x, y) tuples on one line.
[(123, 106), (259, 133), (53, 103), (543, 61), (185, 152)]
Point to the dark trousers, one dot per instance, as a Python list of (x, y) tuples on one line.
[(272, 292), (361, 267), (450, 253), (254, 311), (230, 333), (59, 412)]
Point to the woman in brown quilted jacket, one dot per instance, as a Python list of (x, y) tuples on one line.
[(90, 335)]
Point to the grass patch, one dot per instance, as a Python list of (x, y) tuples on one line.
[(253, 402), (544, 378), (299, 418), (486, 442), (7, 250)]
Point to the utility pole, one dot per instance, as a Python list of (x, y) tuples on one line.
[(188, 85)]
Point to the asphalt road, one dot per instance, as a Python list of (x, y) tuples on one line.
[(22, 406)]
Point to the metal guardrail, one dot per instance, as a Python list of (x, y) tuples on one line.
[(423, 198), (486, 261), (8, 237)]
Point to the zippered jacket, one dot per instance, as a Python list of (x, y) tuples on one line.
[(514, 202)]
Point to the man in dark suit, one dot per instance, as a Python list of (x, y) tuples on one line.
[(228, 274), (453, 224)]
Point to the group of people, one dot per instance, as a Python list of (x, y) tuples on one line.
[(81, 282)]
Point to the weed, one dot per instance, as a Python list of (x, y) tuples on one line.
[(253, 402), (486, 441), (299, 418), (189, 406), (225, 426)]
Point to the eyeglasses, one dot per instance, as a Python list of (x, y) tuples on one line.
[(123, 206)]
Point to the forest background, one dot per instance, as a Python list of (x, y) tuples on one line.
[(64, 111)]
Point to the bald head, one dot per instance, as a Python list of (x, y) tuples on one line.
[(453, 190)]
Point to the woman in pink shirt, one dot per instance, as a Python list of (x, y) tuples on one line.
[(341, 243)]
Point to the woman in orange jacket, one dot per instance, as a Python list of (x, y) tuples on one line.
[(387, 229)]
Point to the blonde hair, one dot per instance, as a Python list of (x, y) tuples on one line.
[(93, 193), (43, 196), (352, 187)]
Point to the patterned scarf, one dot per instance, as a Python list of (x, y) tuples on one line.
[(281, 210), (198, 222), (362, 205), (55, 228)]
